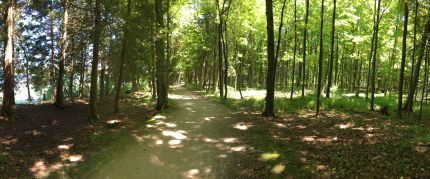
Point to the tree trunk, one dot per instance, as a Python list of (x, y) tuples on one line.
[(27, 76), (220, 56), (413, 87), (53, 68), (414, 43), (304, 47), (161, 80), (280, 32), (320, 61), (59, 95), (93, 116), (225, 44), (71, 69), (330, 71), (83, 69), (8, 88), (271, 66), (424, 83), (122, 61), (371, 52), (375, 52), (403, 62), (103, 63)]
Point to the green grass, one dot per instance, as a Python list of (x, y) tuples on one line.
[(337, 102)]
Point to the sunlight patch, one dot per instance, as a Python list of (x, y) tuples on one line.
[(277, 169), (301, 126), (209, 140), (175, 142), (64, 147), (75, 158), (240, 148), (242, 126), (159, 142), (41, 170), (269, 156), (308, 138), (280, 125), (158, 117), (209, 118), (191, 173), (230, 140), (222, 156), (421, 149), (177, 135), (345, 126)]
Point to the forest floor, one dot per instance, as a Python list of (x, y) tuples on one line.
[(202, 138), (199, 137), (42, 139)]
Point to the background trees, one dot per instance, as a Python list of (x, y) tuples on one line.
[(219, 46)]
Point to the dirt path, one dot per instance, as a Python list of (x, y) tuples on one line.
[(196, 138)]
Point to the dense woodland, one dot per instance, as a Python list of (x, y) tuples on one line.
[(310, 58), (78, 49)]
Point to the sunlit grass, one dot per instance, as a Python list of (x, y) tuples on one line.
[(253, 100)]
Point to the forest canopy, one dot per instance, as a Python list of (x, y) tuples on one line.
[(77, 49)]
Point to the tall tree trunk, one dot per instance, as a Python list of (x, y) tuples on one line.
[(103, 63), (280, 32), (220, 51), (414, 43), (403, 62), (320, 61), (93, 116), (83, 69), (371, 51), (59, 100), (304, 47), (161, 80), (271, 66), (121, 65), (424, 83), (53, 68), (8, 88), (330, 71), (413, 87), (375, 52), (71, 68), (27, 76), (295, 50), (336, 66)]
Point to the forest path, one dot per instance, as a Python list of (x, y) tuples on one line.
[(195, 138)]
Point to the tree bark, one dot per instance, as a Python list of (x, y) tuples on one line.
[(122, 61), (320, 61), (424, 83), (93, 116), (83, 69), (330, 71), (295, 50), (161, 80), (371, 52), (59, 99), (271, 66), (403, 62), (413, 87), (304, 47), (53, 68), (375, 52), (414, 43), (8, 88), (71, 69)]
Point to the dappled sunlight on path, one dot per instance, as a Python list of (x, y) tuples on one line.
[(197, 138)]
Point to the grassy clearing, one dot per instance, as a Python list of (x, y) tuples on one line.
[(338, 101)]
